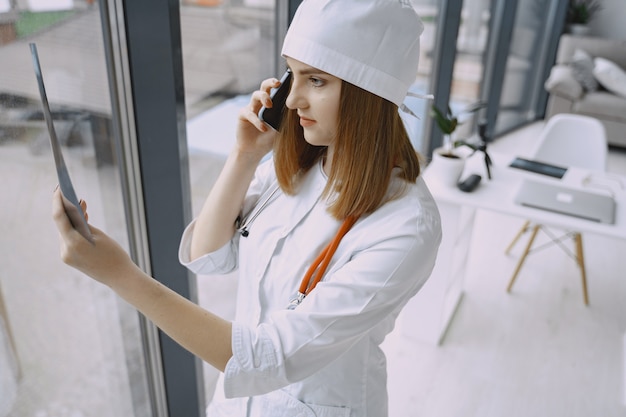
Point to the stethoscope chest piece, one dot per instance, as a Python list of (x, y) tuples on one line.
[(296, 301)]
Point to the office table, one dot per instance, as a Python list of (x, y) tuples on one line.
[(441, 295)]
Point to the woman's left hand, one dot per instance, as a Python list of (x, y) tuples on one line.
[(104, 259)]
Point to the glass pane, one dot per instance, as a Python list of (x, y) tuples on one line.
[(428, 11), (68, 346), (468, 66), (228, 49), (521, 83)]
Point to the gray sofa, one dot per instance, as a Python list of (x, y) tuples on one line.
[(567, 94)]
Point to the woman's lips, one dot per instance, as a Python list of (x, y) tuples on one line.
[(304, 122)]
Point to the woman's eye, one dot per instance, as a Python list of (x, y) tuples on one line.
[(316, 82)]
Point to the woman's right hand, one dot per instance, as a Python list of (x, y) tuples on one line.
[(253, 135), (104, 260)]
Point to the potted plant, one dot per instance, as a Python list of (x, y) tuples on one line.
[(448, 163), (580, 13), (448, 122)]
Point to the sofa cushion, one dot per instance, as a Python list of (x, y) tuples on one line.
[(562, 83), (582, 70), (613, 49), (603, 105), (610, 75)]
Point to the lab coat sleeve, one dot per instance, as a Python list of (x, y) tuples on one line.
[(221, 261), (380, 277), (225, 259)]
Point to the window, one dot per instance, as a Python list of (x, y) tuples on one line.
[(72, 346)]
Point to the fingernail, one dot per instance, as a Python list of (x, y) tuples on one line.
[(55, 188)]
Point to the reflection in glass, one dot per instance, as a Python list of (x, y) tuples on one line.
[(228, 49), (468, 66), (527, 52), (428, 11), (71, 346)]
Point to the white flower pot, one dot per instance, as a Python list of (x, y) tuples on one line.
[(578, 29), (446, 169)]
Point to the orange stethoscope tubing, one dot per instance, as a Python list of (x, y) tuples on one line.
[(319, 265)]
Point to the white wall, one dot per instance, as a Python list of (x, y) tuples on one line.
[(609, 23)]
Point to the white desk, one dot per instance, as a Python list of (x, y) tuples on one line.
[(441, 295), (498, 193)]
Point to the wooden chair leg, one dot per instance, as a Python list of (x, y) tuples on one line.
[(581, 263), (517, 236), (523, 257)]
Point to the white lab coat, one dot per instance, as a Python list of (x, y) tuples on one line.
[(323, 358)]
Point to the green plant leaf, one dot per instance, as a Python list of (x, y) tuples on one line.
[(582, 11), (470, 145), (446, 124)]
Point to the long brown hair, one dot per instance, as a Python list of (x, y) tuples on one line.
[(371, 141)]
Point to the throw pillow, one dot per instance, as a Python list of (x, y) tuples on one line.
[(582, 70), (610, 75), (562, 83)]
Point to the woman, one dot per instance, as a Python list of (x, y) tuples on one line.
[(306, 337)]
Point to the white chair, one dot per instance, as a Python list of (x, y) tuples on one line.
[(566, 140)]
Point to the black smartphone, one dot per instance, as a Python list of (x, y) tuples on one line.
[(273, 115)]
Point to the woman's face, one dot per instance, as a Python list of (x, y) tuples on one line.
[(315, 95)]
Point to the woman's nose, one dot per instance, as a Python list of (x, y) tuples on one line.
[(294, 99)]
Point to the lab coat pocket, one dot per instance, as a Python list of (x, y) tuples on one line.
[(279, 403)]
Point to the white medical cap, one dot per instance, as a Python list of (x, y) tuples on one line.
[(373, 44)]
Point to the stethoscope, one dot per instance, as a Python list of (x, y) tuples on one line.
[(243, 225), (318, 267)]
